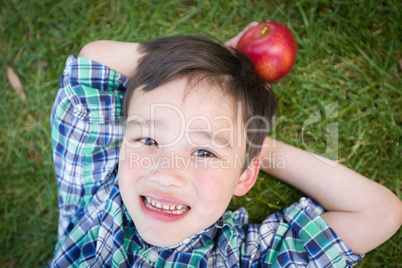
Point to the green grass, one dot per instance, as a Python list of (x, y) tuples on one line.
[(349, 55)]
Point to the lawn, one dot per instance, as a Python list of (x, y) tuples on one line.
[(349, 58)]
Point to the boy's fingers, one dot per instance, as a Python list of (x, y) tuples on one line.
[(233, 42), (251, 24)]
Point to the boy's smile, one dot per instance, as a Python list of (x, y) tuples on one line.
[(161, 208), (181, 160)]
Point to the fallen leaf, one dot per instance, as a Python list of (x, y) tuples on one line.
[(15, 83), (42, 64)]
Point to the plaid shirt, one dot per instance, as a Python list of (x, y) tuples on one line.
[(95, 229)]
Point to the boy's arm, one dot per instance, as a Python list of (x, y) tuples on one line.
[(87, 130), (119, 56), (362, 212), (123, 56)]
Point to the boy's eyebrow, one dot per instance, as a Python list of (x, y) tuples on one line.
[(218, 139), (149, 123)]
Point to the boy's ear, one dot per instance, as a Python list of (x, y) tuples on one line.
[(248, 177)]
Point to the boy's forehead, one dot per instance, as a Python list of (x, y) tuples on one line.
[(200, 98)]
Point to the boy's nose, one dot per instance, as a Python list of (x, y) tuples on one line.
[(168, 178), (169, 171)]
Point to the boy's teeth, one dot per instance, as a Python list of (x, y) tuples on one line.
[(174, 209)]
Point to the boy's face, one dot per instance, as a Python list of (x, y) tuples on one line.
[(181, 160)]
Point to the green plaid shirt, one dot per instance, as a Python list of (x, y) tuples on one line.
[(95, 229)]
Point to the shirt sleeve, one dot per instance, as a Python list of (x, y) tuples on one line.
[(296, 237), (87, 130), (303, 239)]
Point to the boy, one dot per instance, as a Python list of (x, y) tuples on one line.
[(152, 191)]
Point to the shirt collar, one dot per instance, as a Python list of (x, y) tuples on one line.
[(222, 230)]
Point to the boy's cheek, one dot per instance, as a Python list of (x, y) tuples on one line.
[(128, 169), (124, 179), (127, 182), (128, 157), (123, 153)]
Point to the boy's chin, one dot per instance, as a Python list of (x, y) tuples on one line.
[(162, 241), (167, 235)]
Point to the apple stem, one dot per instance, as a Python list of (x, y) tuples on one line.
[(264, 31)]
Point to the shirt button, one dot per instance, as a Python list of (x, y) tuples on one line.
[(153, 256), (80, 107), (80, 110)]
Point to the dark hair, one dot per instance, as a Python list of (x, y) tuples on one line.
[(198, 58)]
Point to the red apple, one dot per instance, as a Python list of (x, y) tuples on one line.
[(272, 47)]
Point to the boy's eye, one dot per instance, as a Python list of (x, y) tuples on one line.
[(149, 142), (204, 153)]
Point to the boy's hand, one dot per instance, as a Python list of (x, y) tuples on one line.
[(120, 56), (233, 42)]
